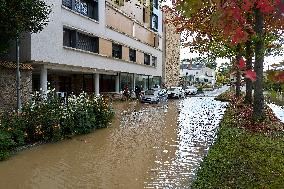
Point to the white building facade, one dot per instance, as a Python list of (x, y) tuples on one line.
[(197, 73), (97, 46)]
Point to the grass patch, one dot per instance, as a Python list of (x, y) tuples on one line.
[(246, 154)]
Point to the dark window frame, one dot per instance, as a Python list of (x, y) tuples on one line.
[(132, 55), (90, 10), (116, 50), (155, 4), (147, 59), (154, 61), (69, 38), (154, 26), (80, 40)]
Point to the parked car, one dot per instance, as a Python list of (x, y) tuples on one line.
[(151, 96), (176, 92), (190, 90), (163, 94)]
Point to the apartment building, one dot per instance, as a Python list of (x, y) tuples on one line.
[(97, 46)]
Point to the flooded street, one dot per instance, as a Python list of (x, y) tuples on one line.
[(147, 146)]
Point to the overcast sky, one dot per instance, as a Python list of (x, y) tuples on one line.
[(184, 53)]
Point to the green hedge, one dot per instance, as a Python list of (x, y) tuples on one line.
[(47, 119), (242, 159)]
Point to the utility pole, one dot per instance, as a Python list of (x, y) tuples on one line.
[(18, 77)]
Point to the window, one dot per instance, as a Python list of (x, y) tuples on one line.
[(132, 55), (146, 59), (85, 7), (144, 14), (81, 6), (88, 83), (116, 51), (67, 3), (154, 23), (119, 2), (155, 4), (156, 41), (72, 38), (88, 43), (154, 61), (69, 38)]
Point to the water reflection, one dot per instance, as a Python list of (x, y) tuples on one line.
[(196, 133)]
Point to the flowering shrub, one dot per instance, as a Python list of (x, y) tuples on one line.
[(46, 118)]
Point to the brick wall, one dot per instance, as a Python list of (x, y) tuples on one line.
[(8, 95), (172, 55)]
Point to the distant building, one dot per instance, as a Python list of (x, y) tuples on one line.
[(191, 73)]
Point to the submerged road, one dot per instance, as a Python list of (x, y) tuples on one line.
[(147, 146)]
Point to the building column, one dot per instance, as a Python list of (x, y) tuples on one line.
[(134, 82), (97, 83), (43, 80), (117, 83)]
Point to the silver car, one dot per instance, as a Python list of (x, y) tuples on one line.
[(154, 96)]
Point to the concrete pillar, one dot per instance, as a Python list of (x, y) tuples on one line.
[(43, 80), (97, 83), (134, 83), (117, 83)]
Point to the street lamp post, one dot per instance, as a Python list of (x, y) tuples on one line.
[(18, 76)]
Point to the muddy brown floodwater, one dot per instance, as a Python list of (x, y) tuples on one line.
[(121, 156), (146, 146)]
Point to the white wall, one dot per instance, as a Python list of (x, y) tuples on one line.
[(47, 46)]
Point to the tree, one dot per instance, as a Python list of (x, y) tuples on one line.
[(236, 21), (20, 16)]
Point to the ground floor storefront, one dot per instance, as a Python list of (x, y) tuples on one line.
[(66, 81)]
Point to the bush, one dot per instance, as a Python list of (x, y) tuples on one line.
[(47, 119), (6, 144)]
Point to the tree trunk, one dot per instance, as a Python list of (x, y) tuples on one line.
[(238, 72), (258, 103), (249, 54)]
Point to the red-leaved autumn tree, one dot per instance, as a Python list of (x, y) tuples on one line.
[(240, 22)]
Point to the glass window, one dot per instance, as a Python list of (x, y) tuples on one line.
[(69, 37), (155, 4), (146, 59), (154, 61), (72, 38), (154, 22), (87, 43), (116, 51), (132, 55), (81, 7), (126, 81), (85, 7), (67, 3), (88, 85)]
